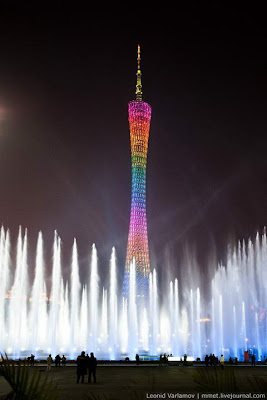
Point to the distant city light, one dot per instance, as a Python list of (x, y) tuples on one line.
[(203, 320)]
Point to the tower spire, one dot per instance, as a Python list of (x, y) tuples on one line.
[(138, 91)]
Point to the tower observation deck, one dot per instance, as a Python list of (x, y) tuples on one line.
[(137, 249)]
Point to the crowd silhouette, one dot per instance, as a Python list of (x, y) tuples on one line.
[(86, 364)]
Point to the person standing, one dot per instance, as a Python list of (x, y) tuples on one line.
[(49, 362), (32, 360), (185, 358), (213, 360), (207, 360), (63, 361), (81, 367), (222, 361), (253, 360), (57, 360), (92, 364)]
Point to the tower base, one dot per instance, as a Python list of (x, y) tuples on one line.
[(142, 286)]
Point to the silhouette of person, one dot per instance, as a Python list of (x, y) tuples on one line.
[(207, 360), (165, 359), (137, 358), (185, 358), (49, 362), (160, 360), (63, 360), (32, 360), (210, 359), (213, 358), (57, 360), (81, 367), (253, 360), (222, 361), (92, 364)]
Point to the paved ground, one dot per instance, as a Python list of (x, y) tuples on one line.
[(115, 383)]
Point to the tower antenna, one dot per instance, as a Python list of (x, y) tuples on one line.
[(138, 91)]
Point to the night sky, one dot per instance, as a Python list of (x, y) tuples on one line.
[(64, 137)]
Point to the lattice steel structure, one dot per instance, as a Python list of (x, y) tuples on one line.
[(139, 123)]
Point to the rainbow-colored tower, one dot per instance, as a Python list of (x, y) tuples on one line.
[(139, 122)]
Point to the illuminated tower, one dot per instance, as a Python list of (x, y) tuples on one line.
[(139, 122)]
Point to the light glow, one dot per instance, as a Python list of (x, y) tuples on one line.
[(139, 121)]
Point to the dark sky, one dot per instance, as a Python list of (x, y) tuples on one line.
[(64, 141)]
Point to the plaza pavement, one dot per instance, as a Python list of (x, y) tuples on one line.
[(140, 382)]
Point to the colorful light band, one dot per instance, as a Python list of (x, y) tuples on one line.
[(139, 121)]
